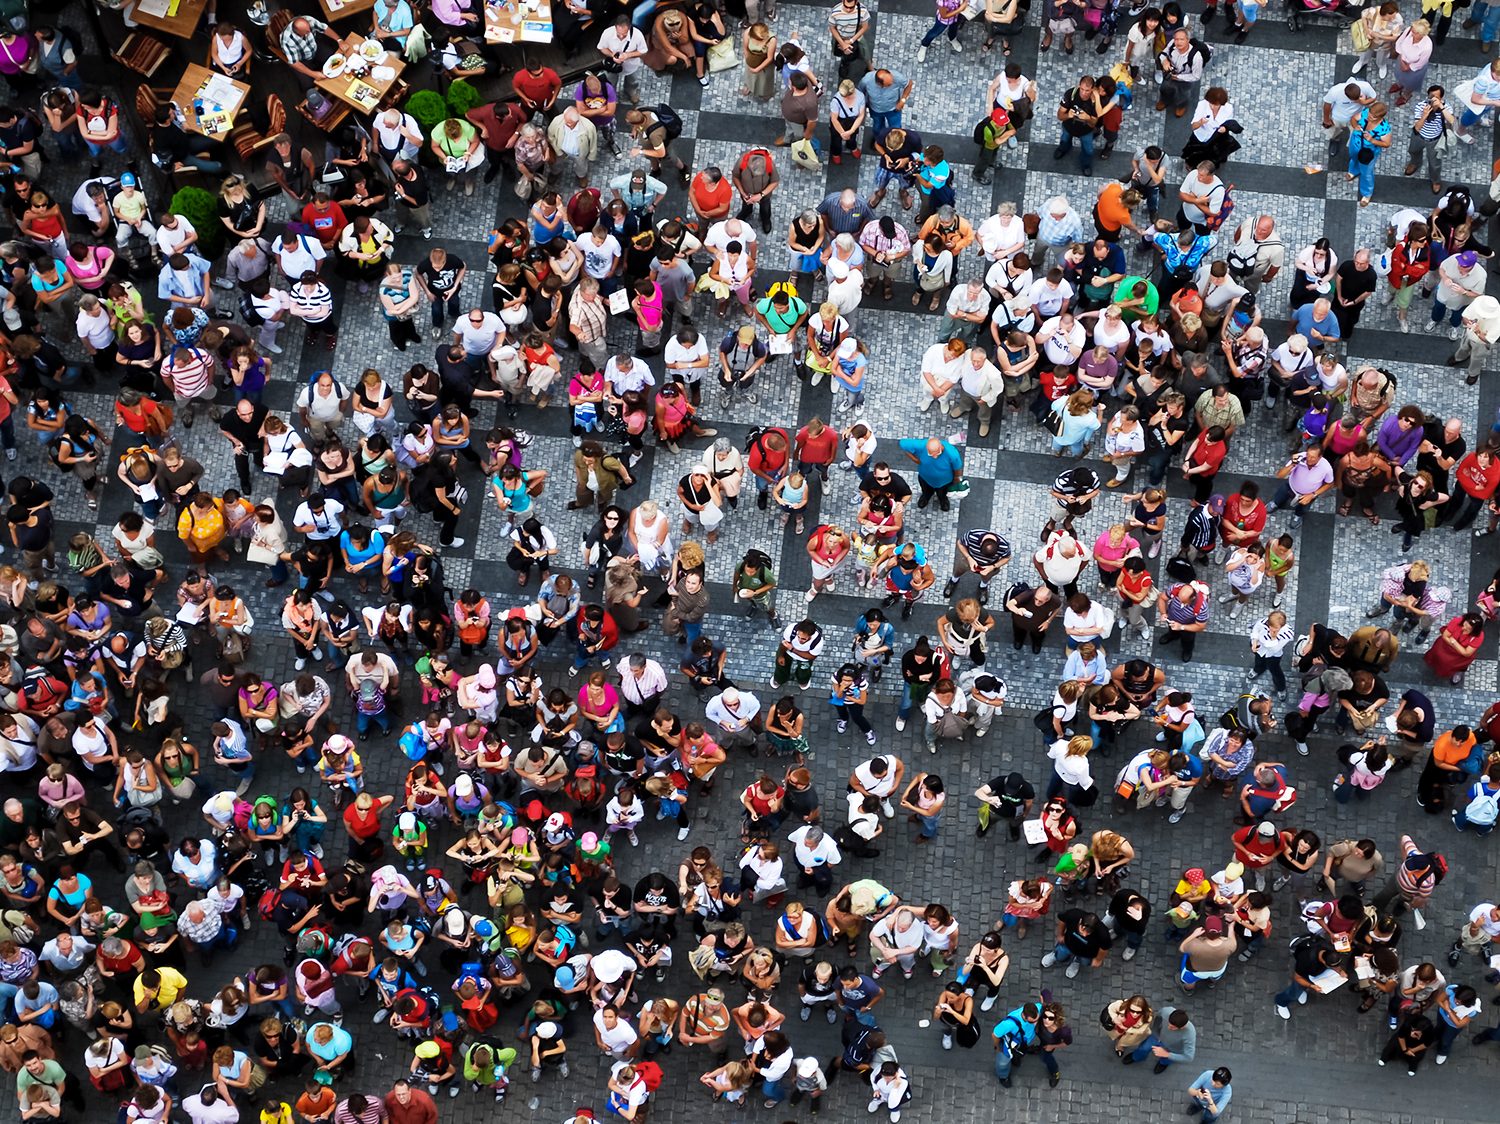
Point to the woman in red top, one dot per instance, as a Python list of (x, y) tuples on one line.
[(1202, 462), (1137, 594), (1244, 516), (827, 549), (1456, 647), (362, 822), (1477, 476)]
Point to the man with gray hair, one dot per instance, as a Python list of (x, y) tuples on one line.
[(204, 927), (737, 714), (643, 684)]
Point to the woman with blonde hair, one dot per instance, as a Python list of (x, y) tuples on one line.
[(623, 593), (759, 48), (1071, 773), (177, 764)]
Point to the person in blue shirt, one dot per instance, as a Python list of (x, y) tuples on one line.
[(1211, 1093), (874, 641), (1180, 257), (932, 181), (1187, 771), (885, 93), (1018, 1028), (940, 466), (858, 994), (1317, 322)]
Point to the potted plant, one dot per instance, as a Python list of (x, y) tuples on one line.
[(200, 208), (462, 97), (429, 109)]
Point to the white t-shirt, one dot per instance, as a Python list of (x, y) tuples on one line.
[(325, 523), (482, 339), (719, 237), (389, 137), (599, 257), (169, 240), (615, 42), (678, 357), (305, 255), (877, 786)]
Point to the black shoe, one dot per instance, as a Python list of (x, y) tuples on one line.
[(1159, 1067), (984, 595), (1128, 1059), (1452, 361), (985, 179), (1059, 153), (1054, 1078), (1208, 15), (924, 501), (948, 587), (906, 611), (890, 599), (760, 500), (1005, 1081)]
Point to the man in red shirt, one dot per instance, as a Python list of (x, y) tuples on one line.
[(1477, 477), (1244, 516), (1256, 846), (817, 446), (405, 1105), (768, 455), (711, 194), (325, 218), (498, 123), (537, 87)]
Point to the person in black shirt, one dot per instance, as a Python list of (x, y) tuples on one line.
[(656, 901), (1166, 432), (1080, 936), (1031, 612), (1005, 798), (31, 533), (883, 482), (174, 150), (241, 428), (1078, 112), (1442, 447), (704, 666), (129, 590), (441, 276), (1312, 955), (1128, 916)]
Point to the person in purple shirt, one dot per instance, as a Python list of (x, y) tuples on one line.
[(1400, 435)]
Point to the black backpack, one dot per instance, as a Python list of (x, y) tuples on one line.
[(667, 118)]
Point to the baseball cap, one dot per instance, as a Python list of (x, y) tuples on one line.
[(1266, 829), (1214, 924), (428, 1050), (1466, 258), (128, 180), (1234, 870)]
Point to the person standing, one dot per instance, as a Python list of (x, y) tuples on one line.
[(1210, 1094), (1173, 1038)]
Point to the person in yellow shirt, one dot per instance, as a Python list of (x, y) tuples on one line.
[(156, 989)]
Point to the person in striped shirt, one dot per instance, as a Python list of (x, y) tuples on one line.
[(1413, 881), (189, 375), (312, 303)]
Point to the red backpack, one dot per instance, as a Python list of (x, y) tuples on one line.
[(650, 1074)]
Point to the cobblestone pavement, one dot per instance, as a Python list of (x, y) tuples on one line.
[(1318, 1068)]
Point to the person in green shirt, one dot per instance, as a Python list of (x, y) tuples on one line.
[(783, 313), (38, 1071), (456, 144), (1136, 297)]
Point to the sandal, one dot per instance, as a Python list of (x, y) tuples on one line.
[(916, 298), (1005, 47), (932, 305), (1343, 509), (886, 291), (1371, 516)]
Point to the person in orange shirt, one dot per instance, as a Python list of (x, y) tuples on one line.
[(1112, 210), (1445, 767), (711, 194)]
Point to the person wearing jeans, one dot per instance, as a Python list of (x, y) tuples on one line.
[(1018, 1028)]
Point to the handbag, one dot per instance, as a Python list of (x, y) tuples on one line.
[(805, 155), (1359, 36), (722, 56)]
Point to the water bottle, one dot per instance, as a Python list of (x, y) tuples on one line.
[(197, 107)]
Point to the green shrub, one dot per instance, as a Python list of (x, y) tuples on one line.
[(200, 208), (462, 97), (428, 107)]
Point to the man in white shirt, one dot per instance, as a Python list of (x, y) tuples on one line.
[(980, 385), (398, 136), (686, 357), (322, 404), (196, 863), (896, 939), (879, 777), (942, 363), (967, 310), (175, 235), (737, 714), (478, 333), (726, 231), (297, 254), (1051, 294), (614, 1035), (319, 518), (1063, 340), (601, 257), (626, 45), (1003, 235), (273, 306), (1481, 328), (816, 855), (625, 372), (1201, 196), (643, 681), (574, 136), (1342, 101), (210, 1106)]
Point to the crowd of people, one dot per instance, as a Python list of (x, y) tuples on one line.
[(486, 916)]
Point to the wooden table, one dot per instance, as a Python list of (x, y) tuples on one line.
[(344, 86), (514, 23), (343, 9), (193, 80), (182, 23)]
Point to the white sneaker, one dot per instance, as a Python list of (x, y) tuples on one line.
[(989, 1001), (874, 1106), (1302, 748), (682, 833), (1283, 1011), (921, 57), (1430, 326), (1440, 1059), (958, 48), (886, 810), (1225, 598), (1358, 66), (1454, 333), (299, 663), (900, 724), (1302, 1000), (1073, 968), (272, 348), (1129, 953), (634, 839), (1049, 960), (458, 542)]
